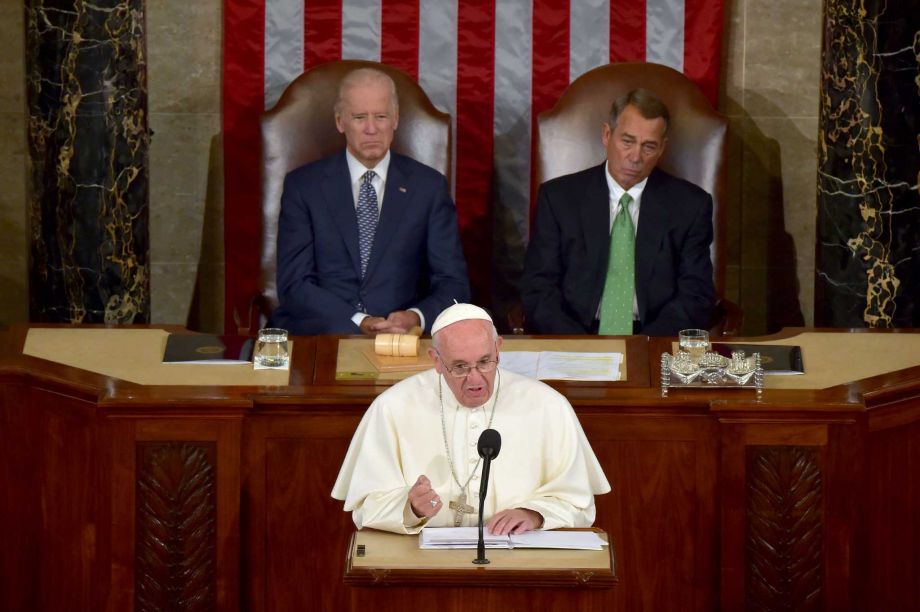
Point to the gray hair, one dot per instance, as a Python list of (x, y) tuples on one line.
[(362, 76), (646, 102)]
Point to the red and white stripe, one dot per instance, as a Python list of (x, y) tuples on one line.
[(493, 65)]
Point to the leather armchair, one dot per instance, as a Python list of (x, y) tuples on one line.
[(568, 139), (301, 128)]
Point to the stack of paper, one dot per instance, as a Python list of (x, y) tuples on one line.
[(434, 538), (559, 365)]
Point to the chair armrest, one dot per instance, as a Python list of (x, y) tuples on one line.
[(515, 319), (258, 312), (726, 319)]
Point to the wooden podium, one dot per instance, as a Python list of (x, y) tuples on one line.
[(130, 489), (388, 571)]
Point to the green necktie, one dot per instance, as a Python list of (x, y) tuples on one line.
[(617, 305)]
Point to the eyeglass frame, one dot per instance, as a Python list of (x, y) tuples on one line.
[(490, 364)]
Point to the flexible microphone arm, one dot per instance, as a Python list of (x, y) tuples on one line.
[(490, 442)]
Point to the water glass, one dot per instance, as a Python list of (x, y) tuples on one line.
[(271, 348), (695, 342)]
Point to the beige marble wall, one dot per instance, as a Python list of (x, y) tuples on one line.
[(186, 197), (771, 77), (14, 293)]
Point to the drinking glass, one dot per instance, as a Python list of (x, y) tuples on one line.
[(271, 348), (695, 342)]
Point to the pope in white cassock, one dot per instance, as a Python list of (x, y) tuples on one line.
[(413, 461)]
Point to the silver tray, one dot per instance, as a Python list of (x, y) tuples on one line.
[(713, 371)]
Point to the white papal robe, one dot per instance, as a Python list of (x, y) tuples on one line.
[(545, 464)]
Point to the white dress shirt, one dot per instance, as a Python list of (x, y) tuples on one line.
[(356, 171)]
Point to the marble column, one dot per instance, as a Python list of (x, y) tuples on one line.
[(88, 148), (867, 257)]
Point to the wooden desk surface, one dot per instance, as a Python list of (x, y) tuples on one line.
[(136, 355), (396, 559), (352, 366), (837, 358), (832, 358)]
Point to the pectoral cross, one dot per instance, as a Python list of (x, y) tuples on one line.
[(461, 508)]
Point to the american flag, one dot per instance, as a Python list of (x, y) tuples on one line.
[(494, 65)]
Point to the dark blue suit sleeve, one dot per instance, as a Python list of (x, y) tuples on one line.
[(448, 278), (306, 306)]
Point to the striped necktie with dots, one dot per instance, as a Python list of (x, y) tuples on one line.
[(368, 214)]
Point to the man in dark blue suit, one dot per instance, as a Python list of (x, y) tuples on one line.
[(575, 275), (367, 238)]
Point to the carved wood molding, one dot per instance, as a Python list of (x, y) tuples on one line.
[(175, 541), (784, 529)]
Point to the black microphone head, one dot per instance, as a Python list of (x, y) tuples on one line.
[(490, 442)]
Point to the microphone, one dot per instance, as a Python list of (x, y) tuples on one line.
[(490, 442)]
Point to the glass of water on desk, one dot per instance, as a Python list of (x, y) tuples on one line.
[(695, 342), (271, 348)]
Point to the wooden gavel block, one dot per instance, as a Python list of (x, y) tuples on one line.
[(396, 345)]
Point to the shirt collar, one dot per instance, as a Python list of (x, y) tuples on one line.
[(616, 191), (356, 169)]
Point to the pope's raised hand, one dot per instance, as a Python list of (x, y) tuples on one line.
[(424, 500)]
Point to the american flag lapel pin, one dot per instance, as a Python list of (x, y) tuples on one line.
[(403, 190)]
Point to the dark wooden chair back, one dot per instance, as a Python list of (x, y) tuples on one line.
[(301, 128), (568, 139)]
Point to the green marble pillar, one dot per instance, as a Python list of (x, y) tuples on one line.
[(88, 148), (867, 261)]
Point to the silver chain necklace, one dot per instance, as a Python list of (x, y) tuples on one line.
[(460, 507)]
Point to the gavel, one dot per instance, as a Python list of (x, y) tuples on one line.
[(397, 345)]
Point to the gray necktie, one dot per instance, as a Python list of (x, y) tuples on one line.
[(367, 218)]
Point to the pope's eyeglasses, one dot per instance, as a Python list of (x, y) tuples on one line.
[(462, 370)]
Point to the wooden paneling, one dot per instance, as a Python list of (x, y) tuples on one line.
[(661, 512), (893, 521), (297, 533), (709, 489), (49, 483), (386, 599), (784, 541), (69, 486), (177, 478), (20, 495), (175, 565)]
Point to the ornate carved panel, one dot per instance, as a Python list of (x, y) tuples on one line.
[(175, 543), (784, 529)]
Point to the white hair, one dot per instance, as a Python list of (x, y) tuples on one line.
[(362, 76)]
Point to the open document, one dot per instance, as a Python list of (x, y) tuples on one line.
[(444, 538), (558, 365)]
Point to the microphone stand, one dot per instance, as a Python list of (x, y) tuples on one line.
[(483, 486)]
